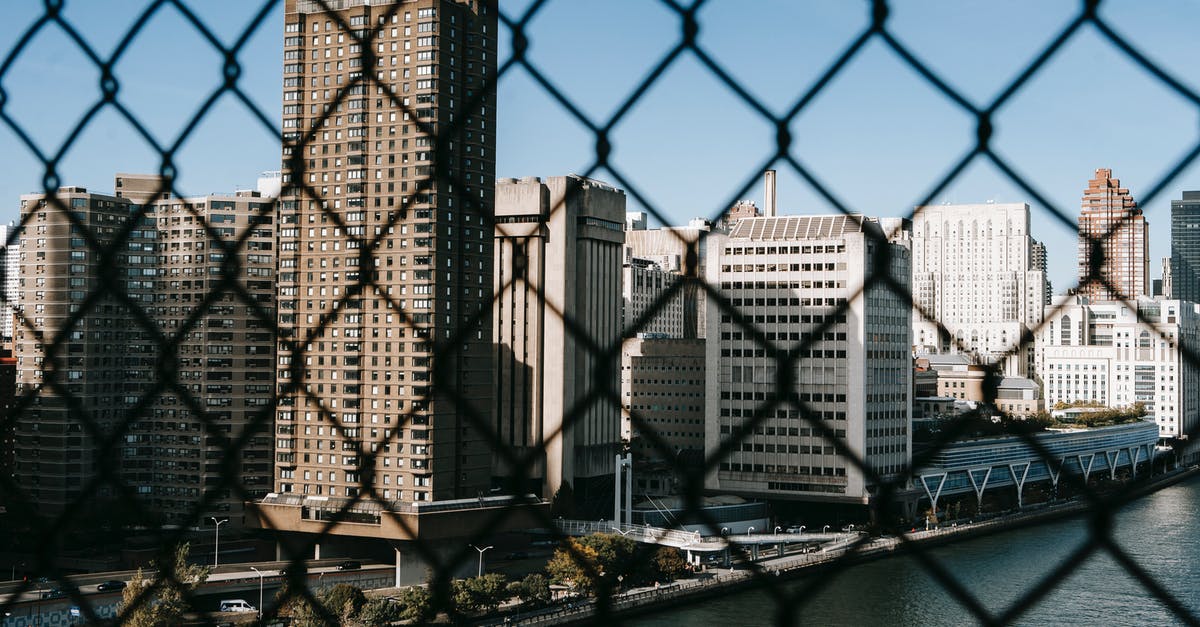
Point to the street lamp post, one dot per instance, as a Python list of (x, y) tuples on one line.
[(217, 538), (479, 573), (748, 532), (260, 590), (801, 528), (777, 528), (825, 528), (624, 533)]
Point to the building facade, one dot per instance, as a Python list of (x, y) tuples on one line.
[(1100, 353), (10, 270), (557, 318), (644, 287), (1184, 266), (799, 280), (1113, 237), (670, 248), (662, 383), (385, 250), (974, 273), (171, 288)]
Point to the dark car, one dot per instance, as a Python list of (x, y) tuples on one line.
[(54, 594), (111, 586), (517, 555), (349, 565)]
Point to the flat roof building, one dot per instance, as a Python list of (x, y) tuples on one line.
[(801, 283), (92, 357)]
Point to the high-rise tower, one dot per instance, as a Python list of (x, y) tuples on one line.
[(1113, 236), (385, 281), (1185, 247)]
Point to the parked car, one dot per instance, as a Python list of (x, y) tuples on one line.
[(236, 605), (349, 565), (111, 586)]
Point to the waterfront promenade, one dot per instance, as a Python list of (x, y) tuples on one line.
[(851, 550)]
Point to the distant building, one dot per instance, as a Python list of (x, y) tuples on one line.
[(10, 270), (1185, 248), (644, 287), (974, 273), (1101, 353), (670, 248), (662, 384), (788, 276), (1113, 234), (558, 247), (222, 349)]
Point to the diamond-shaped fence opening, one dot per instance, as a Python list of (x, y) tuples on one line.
[(176, 351)]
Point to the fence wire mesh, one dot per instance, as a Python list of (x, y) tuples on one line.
[(46, 533)]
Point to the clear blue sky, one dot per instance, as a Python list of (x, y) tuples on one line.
[(879, 136)]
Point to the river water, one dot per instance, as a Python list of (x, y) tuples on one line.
[(1160, 532)]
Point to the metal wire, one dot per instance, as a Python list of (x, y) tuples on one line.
[(789, 599)]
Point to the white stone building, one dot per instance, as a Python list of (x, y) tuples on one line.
[(975, 270), (1101, 353), (787, 277)]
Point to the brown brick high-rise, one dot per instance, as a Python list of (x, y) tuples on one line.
[(385, 280), (1111, 223)]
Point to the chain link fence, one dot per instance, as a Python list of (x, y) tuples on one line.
[(46, 533)]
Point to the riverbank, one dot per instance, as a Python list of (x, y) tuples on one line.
[(853, 551)]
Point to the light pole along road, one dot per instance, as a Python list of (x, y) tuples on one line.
[(479, 573), (217, 538), (260, 590)]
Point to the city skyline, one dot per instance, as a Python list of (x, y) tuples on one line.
[(680, 173)]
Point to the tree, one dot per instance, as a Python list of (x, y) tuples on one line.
[(668, 563), (414, 604), (575, 564), (479, 594), (379, 612), (163, 600), (533, 590), (344, 600)]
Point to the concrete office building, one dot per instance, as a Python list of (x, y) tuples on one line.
[(662, 381), (385, 252), (1099, 352), (1183, 270), (644, 287), (1114, 234), (668, 247), (223, 355), (974, 272), (788, 275), (558, 260)]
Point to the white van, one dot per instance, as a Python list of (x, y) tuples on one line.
[(236, 605)]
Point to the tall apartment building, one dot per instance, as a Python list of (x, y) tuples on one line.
[(1114, 235), (975, 273), (192, 288), (385, 252), (557, 317), (1100, 352), (10, 268), (1185, 248), (788, 276)]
